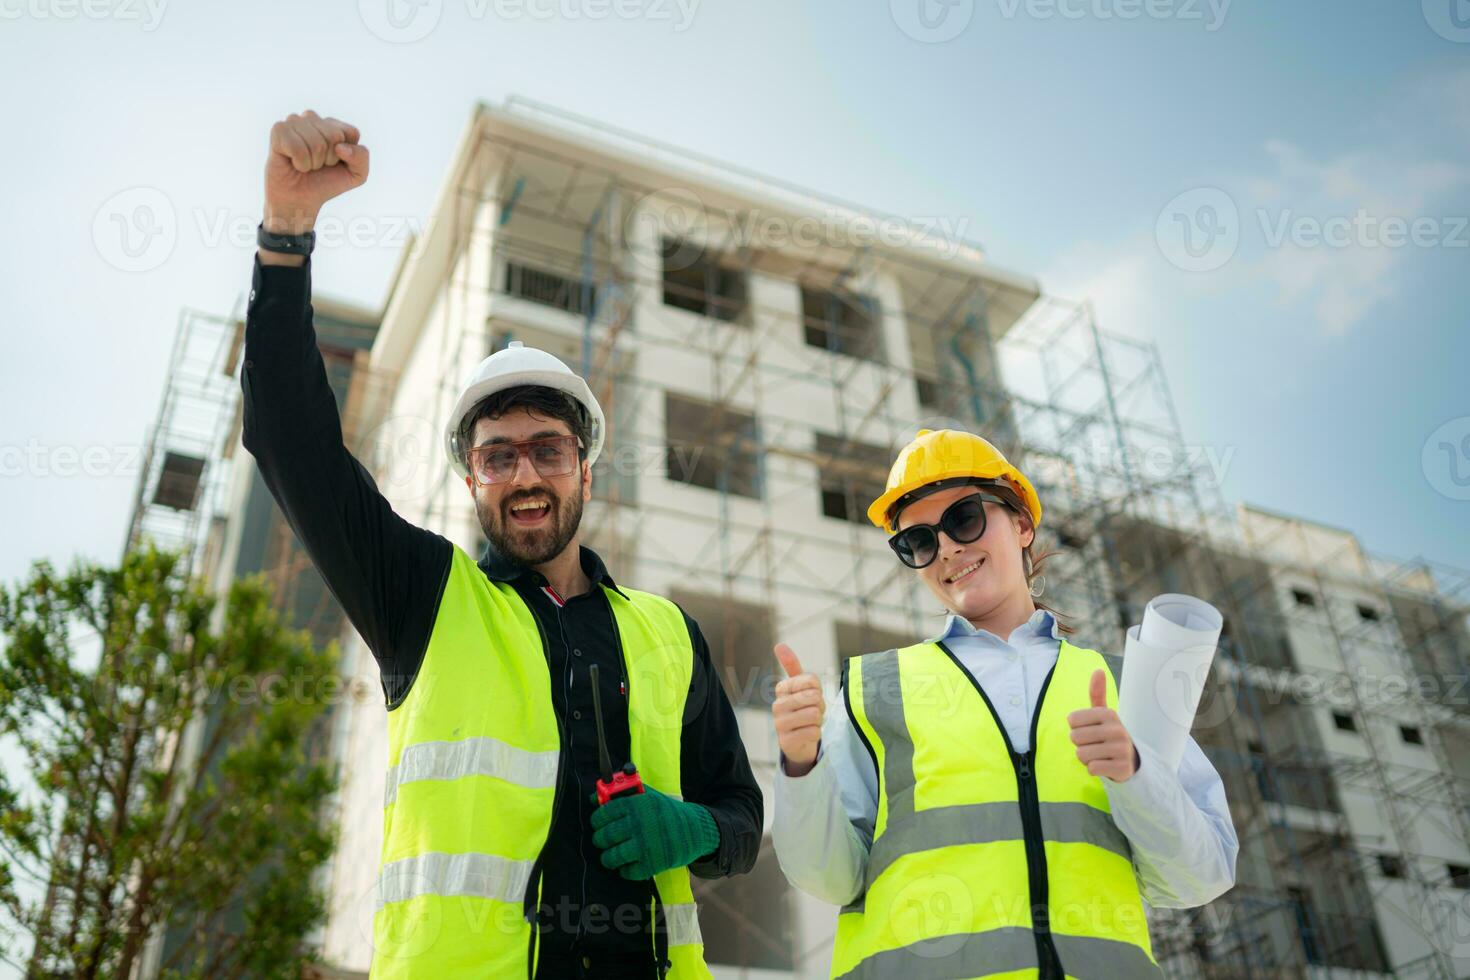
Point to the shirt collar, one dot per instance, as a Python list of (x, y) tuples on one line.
[(499, 568), (1041, 625)]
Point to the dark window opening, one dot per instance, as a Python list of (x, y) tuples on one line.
[(852, 476), (550, 289), (1390, 865), (740, 636), (697, 280), (844, 324), (179, 480), (1303, 597), (712, 446), (1411, 734), (1344, 721)]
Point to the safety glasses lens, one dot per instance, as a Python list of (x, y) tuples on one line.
[(964, 521), (916, 546)]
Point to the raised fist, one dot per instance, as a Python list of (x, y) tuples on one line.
[(311, 161)]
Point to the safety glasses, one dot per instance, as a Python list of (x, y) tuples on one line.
[(550, 456), (964, 521)]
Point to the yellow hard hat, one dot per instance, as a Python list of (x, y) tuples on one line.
[(940, 458)]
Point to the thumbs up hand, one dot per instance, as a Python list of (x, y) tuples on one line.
[(1103, 744), (798, 711)]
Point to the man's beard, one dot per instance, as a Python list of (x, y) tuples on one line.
[(530, 547)]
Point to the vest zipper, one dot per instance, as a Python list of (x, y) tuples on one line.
[(533, 887), (1023, 763)]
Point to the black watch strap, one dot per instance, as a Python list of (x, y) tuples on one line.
[(290, 244)]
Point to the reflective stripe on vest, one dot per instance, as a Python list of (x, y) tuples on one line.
[(474, 752), (948, 889)]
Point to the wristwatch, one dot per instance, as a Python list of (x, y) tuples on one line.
[(290, 244)]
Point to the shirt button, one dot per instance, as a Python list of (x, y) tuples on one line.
[(252, 296), (577, 715), (1016, 701), (576, 653)]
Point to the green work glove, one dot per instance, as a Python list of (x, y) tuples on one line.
[(642, 835)]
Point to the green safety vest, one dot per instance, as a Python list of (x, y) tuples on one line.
[(473, 752), (969, 834)]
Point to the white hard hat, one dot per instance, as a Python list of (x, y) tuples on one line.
[(512, 367)]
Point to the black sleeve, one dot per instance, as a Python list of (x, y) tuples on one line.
[(386, 573), (714, 771)]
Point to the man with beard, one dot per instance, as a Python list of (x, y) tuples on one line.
[(498, 857)]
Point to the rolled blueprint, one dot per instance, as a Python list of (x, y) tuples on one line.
[(1165, 662)]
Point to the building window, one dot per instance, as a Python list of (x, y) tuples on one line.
[(1411, 735), (851, 476), (740, 637), (746, 919), (854, 639), (845, 324), (1304, 598), (928, 392), (1344, 721), (712, 446), (1459, 876), (701, 281), (1390, 865), (1367, 613), (550, 289)]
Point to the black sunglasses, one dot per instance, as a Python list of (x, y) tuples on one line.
[(964, 521)]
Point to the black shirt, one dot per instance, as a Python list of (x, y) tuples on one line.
[(389, 575)]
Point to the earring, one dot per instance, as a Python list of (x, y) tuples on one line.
[(1037, 589)]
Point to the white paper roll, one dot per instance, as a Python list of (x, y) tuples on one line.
[(1166, 661)]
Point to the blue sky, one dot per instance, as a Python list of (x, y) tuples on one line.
[(1062, 133)]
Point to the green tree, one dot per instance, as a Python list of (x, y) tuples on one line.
[(168, 780)]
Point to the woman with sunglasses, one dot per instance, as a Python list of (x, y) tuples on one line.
[(976, 806)]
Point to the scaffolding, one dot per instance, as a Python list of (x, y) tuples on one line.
[(184, 472), (692, 334), (699, 338)]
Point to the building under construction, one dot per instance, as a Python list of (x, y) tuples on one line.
[(761, 352)]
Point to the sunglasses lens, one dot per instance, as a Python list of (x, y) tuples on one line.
[(916, 546), (964, 521)]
